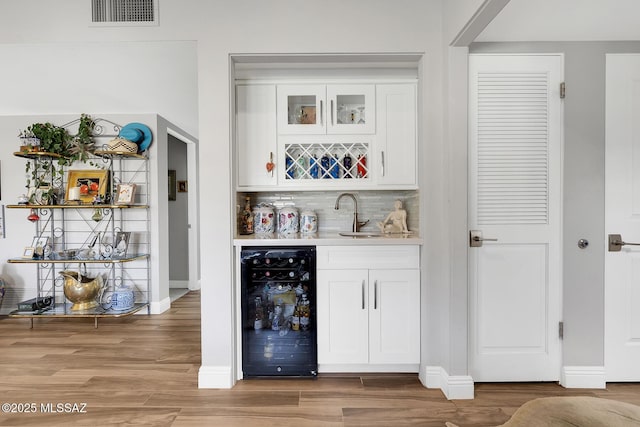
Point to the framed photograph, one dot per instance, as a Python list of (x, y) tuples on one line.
[(121, 244), (91, 183), (172, 184), (125, 194), (182, 186), (28, 252)]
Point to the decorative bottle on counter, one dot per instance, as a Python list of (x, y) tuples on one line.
[(246, 218)]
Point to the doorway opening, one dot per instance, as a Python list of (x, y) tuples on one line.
[(182, 215)]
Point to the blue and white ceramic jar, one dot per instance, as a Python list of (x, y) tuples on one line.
[(122, 298)]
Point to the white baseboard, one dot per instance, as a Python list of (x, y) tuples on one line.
[(456, 387), (194, 285), (158, 307), (583, 377), (215, 377), (183, 284)]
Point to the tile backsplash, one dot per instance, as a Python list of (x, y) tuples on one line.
[(372, 205)]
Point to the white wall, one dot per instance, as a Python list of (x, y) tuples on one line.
[(566, 20), (221, 28), (131, 77)]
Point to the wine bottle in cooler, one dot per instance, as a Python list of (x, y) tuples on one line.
[(259, 314)]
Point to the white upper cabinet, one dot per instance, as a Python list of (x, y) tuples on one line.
[(326, 109), (351, 109), (302, 109), (396, 135), (347, 136), (256, 136)]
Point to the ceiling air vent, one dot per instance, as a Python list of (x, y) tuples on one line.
[(124, 12)]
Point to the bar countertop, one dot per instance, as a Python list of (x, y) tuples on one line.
[(326, 239)]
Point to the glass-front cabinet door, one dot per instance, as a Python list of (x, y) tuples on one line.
[(351, 109), (301, 109), (326, 109)]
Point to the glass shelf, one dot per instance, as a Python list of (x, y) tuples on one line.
[(108, 154), (129, 258), (99, 153), (37, 155), (64, 310), (77, 206)]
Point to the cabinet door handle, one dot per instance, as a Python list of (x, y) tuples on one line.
[(332, 112), (382, 162), (375, 295), (321, 114), (363, 307)]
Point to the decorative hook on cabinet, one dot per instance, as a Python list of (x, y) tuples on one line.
[(270, 164)]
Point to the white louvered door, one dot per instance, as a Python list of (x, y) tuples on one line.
[(515, 120)]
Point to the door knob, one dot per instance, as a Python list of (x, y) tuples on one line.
[(616, 243), (476, 239)]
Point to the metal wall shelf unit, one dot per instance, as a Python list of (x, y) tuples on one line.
[(82, 236)]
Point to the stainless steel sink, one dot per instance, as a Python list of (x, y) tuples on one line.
[(360, 234)]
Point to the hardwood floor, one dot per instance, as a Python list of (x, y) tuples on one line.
[(142, 371)]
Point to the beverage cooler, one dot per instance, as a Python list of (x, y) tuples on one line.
[(279, 311)]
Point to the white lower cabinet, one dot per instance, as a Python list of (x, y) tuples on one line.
[(368, 318)]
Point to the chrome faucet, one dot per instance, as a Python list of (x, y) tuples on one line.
[(356, 224)]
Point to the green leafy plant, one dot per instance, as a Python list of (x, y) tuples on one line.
[(57, 140), (81, 145), (53, 139)]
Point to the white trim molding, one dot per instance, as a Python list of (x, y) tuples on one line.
[(194, 285), (456, 387), (215, 377), (158, 307), (583, 377), (182, 284)]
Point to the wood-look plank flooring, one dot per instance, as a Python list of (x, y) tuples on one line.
[(142, 371)]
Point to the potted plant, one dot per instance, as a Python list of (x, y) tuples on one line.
[(55, 140)]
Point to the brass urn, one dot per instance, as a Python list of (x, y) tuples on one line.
[(81, 290)]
